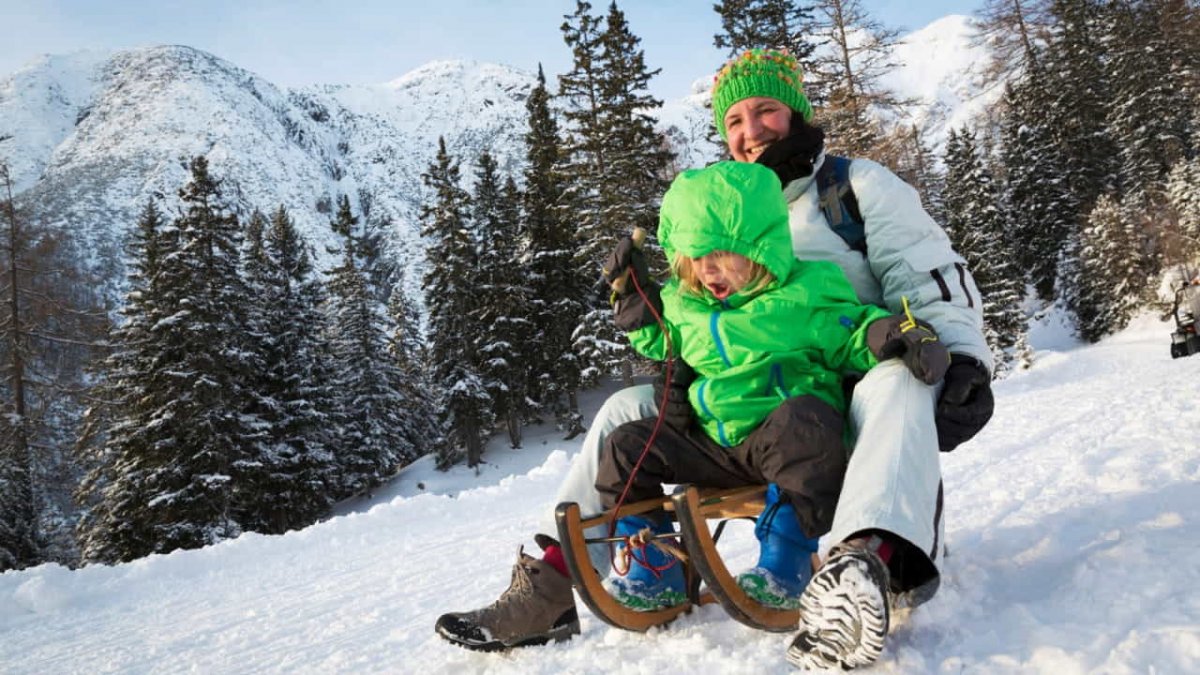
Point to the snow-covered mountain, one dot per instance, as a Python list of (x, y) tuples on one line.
[(1071, 521), (90, 136)]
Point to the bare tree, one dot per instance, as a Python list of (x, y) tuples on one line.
[(856, 53)]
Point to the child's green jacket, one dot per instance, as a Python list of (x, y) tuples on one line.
[(799, 335)]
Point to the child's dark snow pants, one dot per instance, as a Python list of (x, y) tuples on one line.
[(799, 447)]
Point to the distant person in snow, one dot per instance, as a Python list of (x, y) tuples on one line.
[(767, 339), (886, 533)]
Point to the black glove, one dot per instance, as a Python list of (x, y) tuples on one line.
[(625, 257), (914, 341), (966, 403), (677, 410), (630, 310)]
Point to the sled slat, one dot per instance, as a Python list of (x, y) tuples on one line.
[(693, 512)]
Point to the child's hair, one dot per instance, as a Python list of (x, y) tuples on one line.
[(685, 270)]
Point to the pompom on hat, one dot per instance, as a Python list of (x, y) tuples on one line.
[(759, 72)]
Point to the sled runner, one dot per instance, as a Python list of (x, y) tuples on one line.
[(692, 508)]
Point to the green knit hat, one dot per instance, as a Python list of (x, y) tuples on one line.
[(759, 72)]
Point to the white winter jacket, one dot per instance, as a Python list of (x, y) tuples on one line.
[(908, 254)]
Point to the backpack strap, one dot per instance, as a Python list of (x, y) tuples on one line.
[(838, 202)]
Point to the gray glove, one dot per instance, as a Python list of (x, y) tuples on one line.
[(912, 340)]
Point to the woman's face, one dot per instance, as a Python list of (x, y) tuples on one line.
[(754, 123), (723, 273)]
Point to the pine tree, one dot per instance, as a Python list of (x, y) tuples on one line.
[(177, 453), (372, 443), (291, 482), (616, 163), (976, 226), (1079, 92), (1037, 199), (1096, 300), (499, 324), (556, 287), (1147, 114), (450, 287), (408, 351), (1183, 242), (18, 522), (51, 322), (121, 447)]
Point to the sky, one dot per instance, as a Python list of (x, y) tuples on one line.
[(1071, 523), (301, 42)]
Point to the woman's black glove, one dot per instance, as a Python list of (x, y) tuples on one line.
[(966, 403), (630, 309), (677, 409), (912, 340)]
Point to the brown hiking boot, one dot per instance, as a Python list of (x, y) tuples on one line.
[(537, 607)]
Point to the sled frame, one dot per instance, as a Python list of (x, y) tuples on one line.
[(692, 508)]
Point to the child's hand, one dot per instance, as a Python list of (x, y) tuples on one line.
[(913, 340), (625, 257), (672, 397)]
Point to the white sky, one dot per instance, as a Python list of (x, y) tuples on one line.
[(301, 42)]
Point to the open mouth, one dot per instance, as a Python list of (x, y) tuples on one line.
[(720, 291)]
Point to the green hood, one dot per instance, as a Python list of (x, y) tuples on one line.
[(729, 206)]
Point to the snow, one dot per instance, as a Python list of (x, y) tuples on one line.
[(1072, 528)]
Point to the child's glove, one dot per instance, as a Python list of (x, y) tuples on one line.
[(630, 310), (677, 409), (914, 341)]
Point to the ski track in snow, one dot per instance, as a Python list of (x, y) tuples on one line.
[(1072, 527)]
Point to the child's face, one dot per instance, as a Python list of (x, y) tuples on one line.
[(723, 273)]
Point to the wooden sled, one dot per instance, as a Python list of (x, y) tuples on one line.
[(692, 508)]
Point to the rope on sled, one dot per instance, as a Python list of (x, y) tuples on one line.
[(635, 551), (635, 546)]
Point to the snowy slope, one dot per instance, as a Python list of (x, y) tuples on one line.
[(1072, 525)]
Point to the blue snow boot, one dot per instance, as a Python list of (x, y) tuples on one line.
[(655, 580), (785, 556)]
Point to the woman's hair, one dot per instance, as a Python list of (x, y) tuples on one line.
[(684, 269)]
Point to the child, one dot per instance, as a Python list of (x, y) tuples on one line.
[(770, 339)]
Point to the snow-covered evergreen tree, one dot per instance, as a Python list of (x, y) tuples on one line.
[(976, 225), (291, 484), (1148, 113), (408, 351), (616, 162), (1079, 100), (186, 433), (451, 289), (1038, 204), (372, 444), (500, 327), (556, 286), (115, 485)]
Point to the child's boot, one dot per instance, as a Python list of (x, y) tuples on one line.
[(785, 556), (655, 579)]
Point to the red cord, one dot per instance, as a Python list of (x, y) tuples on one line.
[(612, 523)]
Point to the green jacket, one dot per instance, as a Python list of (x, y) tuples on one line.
[(796, 337)]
